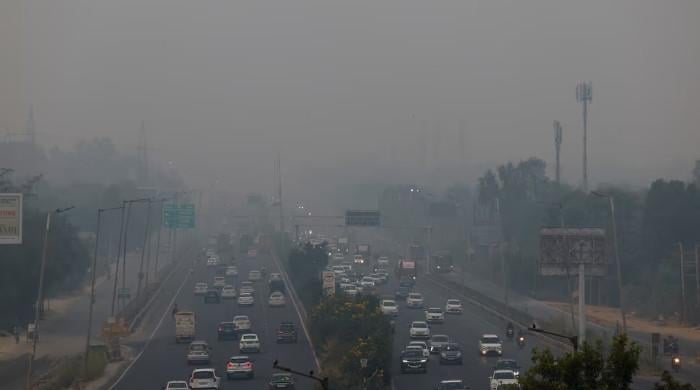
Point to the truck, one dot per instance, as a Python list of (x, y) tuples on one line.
[(442, 262), (416, 252), (184, 326), (406, 270)]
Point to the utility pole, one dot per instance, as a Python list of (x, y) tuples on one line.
[(697, 276), (584, 95), (557, 143), (142, 155), (92, 287), (119, 252), (581, 303), (146, 235), (278, 171), (684, 313), (40, 293), (160, 229)]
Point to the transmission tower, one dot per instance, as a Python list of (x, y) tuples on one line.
[(584, 95), (557, 144)]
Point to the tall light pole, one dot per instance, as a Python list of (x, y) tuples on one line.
[(584, 95), (558, 138), (92, 287), (144, 247), (40, 292), (611, 203)]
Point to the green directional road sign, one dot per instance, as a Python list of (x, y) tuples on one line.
[(179, 216), (362, 218)]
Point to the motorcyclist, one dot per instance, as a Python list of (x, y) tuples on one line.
[(509, 330), (521, 337)]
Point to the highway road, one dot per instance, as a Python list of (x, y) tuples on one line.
[(464, 329), (162, 359)]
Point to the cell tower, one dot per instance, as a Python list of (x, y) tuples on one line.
[(584, 95), (557, 144)]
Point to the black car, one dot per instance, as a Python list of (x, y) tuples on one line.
[(451, 354), (286, 333), (281, 380), (402, 293), (212, 296), (227, 331), (413, 361)]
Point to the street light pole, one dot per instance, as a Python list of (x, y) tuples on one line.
[(40, 292), (92, 288), (611, 202), (144, 247)]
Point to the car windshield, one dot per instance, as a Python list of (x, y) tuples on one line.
[(420, 325), (453, 302), (413, 354), (440, 339), (434, 311), (239, 359), (281, 378), (490, 340), (203, 375), (506, 365), (389, 303), (179, 385), (457, 385), (198, 347), (503, 375), (452, 347)]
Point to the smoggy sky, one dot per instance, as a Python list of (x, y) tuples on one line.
[(357, 91)]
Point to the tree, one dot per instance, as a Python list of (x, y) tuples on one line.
[(670, 383), (588, 369)]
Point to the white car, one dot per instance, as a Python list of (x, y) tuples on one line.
[(254, 275), (176, 385), (338, 257), (389, 307), (204, 378), (490, 344), (453, 306), (232, 271), (252, 253), (276, 299), (414, 300), (212, 262), (249, 343), (382, 260), (419, 330), (351, 292), (200, 288), (338, 270), (242, 323), (502, 377), (419, 344), (246, 287), (246, 299), (219, 281), (228, 292), (434, 315)]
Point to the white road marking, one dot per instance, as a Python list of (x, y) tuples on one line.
[(166, 312)]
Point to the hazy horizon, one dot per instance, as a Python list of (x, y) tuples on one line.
[(369, 91)]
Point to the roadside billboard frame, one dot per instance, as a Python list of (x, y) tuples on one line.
[(563, 249), (11, 215)]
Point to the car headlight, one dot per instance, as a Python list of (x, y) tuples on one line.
[(404, 361), (424, 360)]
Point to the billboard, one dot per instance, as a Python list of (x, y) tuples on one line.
[(10, 219), (328, 283), (362, 218), (563, 249)]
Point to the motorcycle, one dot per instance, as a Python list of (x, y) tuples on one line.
[(521, 342), (509, 333), (676, 363)]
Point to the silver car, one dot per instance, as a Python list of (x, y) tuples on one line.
[(198, 352)]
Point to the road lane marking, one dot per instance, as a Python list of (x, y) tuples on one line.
[(155, 330)]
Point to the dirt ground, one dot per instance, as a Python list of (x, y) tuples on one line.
[(608, 316)]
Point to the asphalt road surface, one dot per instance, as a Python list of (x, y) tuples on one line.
[(464, 329), (163, 360)]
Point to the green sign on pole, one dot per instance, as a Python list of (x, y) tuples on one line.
[(180, 216)]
